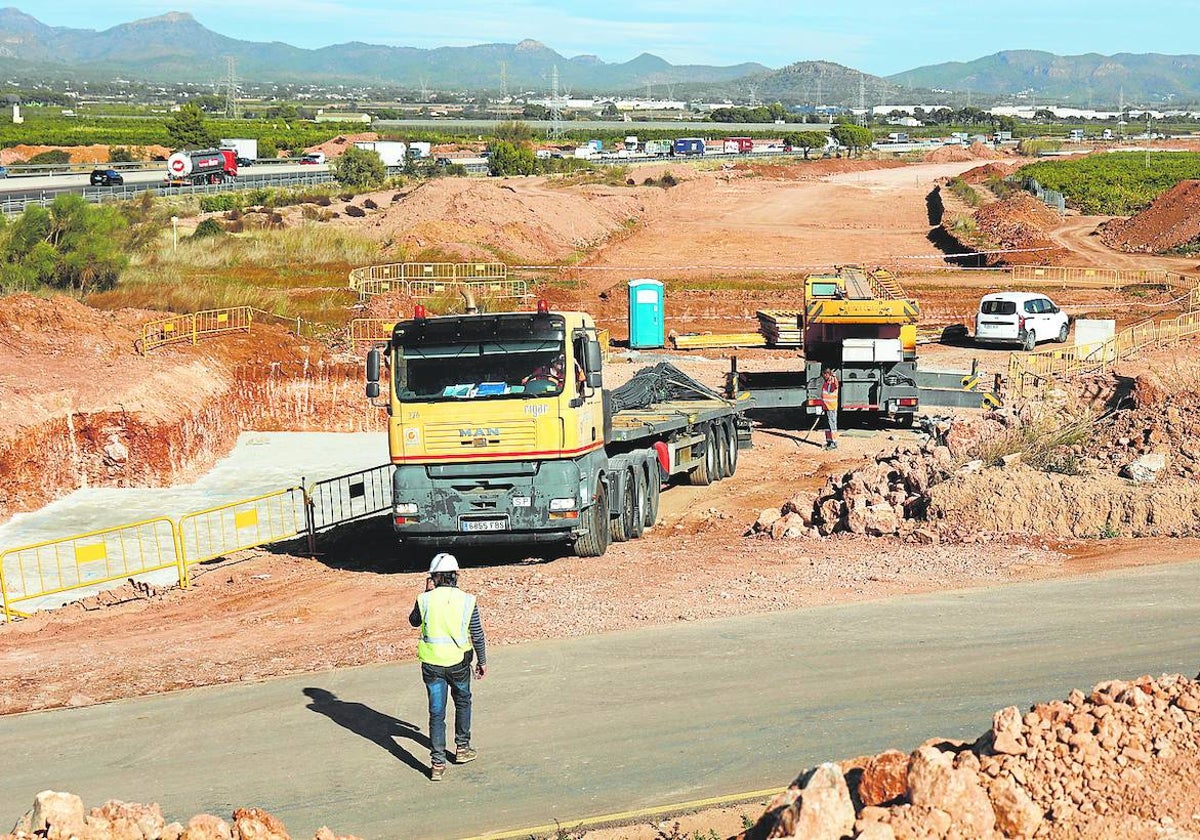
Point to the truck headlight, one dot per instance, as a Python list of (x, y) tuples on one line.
[(405, 508), (562, 504)]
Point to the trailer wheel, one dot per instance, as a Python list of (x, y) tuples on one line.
[(626, 525), (595, 542), (733, 447), (704, 474), (653, 491), (722, 445)]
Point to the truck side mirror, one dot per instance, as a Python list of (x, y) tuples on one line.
[(593, 363), (373, 373), (373, 365)]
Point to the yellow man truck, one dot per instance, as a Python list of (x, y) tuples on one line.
[(860, 325), (501, 432)]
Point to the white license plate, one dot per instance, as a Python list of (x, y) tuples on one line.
[(484, 524)]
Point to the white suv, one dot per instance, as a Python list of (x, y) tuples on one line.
[(1019, 318)]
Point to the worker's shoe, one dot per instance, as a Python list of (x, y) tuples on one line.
[(464, 754), (831, 445), (436, 772)]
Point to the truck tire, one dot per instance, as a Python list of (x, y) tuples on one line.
[(733, 447), (627, 524), (653, 491), (595, 542), (722, 445), (704, 474), (637, 478)]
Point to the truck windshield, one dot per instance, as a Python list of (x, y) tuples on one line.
[(511, 368)]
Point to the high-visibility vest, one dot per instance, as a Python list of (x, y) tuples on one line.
[(445, 625), (829, 395)]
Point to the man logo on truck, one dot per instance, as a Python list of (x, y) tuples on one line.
[(472, 433)]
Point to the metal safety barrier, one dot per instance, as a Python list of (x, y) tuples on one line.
[(217, 531), (1030, 373), (193, 327), (1087, 276), (97, 557), (427, 279), (349, 497), (370, 331)]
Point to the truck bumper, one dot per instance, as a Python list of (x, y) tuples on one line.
[(490, 503)]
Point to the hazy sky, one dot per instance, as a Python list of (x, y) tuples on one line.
[(876, 36)]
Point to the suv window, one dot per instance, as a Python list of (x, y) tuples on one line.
[(998, 307), (1031, 307)]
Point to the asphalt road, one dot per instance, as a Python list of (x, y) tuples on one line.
[(33, 187), (589, 726)]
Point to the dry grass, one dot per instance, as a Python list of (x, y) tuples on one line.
[(298, 272)]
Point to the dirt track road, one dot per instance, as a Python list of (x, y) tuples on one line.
[(1078, 234)]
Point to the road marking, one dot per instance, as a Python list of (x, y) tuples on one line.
[(626, 816)]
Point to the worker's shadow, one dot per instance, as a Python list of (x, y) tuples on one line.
[(365, 722)]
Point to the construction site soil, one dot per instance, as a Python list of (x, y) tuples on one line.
[(1172, 221), (81, 405)]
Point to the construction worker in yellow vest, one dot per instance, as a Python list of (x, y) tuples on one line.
[(829, 401), (451, 637)]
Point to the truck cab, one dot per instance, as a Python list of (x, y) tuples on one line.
[(495, 420)]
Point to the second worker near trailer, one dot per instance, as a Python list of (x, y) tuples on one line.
[(829, 402), (451, 636)]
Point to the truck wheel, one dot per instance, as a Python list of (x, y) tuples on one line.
[(704, 474), (733, 447), (637, 480), (595, 542), (722, 445), (653, 491), (905, 420), (622, 523)]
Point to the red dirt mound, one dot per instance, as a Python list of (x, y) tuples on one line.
[(981, 174), (1171, 221), (1020, 222)]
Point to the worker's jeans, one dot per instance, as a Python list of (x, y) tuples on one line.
[(830, 423), (455, 680)]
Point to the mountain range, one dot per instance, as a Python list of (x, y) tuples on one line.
[(175, 47)]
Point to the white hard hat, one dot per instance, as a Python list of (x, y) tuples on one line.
[(443, 563)]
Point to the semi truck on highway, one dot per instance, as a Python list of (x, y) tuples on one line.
[(502, 432), (208, 166), (859, 324), (687, 146)]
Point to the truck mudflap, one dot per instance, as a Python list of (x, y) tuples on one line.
[(491, 503)]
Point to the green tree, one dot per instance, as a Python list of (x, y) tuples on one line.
[(853, 137), (513, 132), (55, 157), (120, 154), (70, 245), (188, 129), (610, 111), (357, 167), (808, 140), (506, 159)]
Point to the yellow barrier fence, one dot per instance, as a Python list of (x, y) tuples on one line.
[(221, 530), (367, 331), (1088, 276), (97, 557), (193, 327), (1029, 373)]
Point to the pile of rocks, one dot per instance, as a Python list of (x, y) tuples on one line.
[(1122, 761), (61, 816), (885, 497)]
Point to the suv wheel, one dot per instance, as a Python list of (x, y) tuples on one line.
[(1028, 341), (1062, 334)]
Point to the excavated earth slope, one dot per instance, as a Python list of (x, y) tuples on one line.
[(1172, 221)]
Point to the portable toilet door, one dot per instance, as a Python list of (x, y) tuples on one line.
[(646, 329)]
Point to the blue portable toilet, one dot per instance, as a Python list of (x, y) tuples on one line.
[(646, 314)]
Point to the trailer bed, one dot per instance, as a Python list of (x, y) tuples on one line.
[(636, 423)]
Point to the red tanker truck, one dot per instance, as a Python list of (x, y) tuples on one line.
[(208, 166)]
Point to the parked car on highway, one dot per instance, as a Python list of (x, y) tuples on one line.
[(3, 171), (1019, 318), (313, 157), (106, 177)]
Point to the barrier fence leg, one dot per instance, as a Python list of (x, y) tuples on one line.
[(309, 520), (4, 597)]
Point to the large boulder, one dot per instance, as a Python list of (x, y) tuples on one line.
[(257, 824), (57, 813), (206, 827), (1017, 815), (825, 809), (884, 778), (935, 782)]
